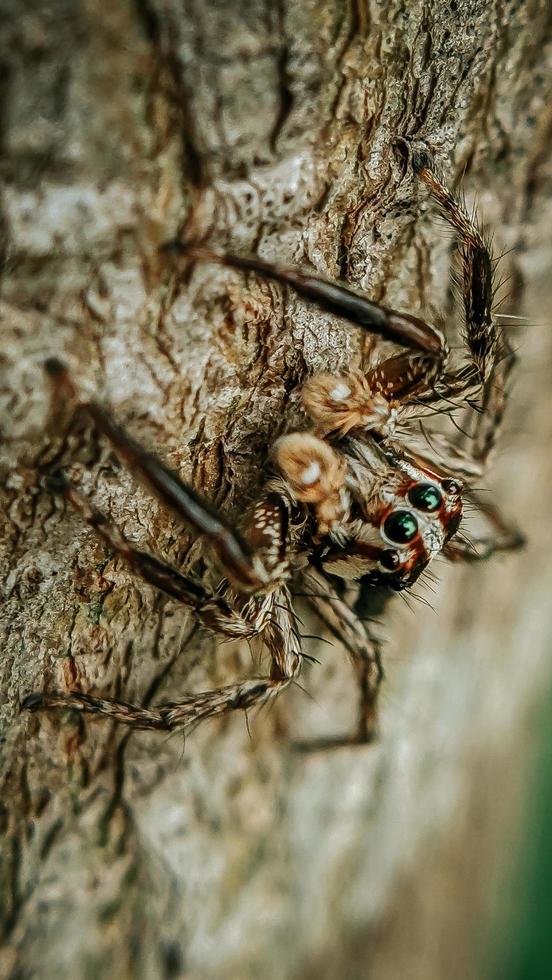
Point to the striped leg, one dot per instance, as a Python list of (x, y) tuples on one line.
[(498, 535), (400, 328), (363, 650), (242, 565), (213, 610), (282, 639)]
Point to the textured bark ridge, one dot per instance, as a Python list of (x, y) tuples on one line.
[(264, 126)]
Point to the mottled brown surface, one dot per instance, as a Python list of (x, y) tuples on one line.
[(270, 127)]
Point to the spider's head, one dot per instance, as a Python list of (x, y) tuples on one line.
[(414, 527)]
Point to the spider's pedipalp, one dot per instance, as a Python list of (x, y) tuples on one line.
[(340, 403), (316, 475)]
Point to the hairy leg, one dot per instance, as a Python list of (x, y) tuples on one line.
[(480, 442), (282, 639), (260, 562), (485, 377), (212, 609), (483, 384), (400, 328), (363, 650), (242, 565), (497, 535), (483, 336)]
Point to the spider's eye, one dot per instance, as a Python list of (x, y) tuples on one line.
[(425, 496), (401, 526), (452, 486), (390, 559)]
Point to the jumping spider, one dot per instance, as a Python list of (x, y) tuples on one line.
[(354, 498)]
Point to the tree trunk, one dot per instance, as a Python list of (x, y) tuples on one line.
[(271, 127)]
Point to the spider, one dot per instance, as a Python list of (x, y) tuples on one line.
[(354, 498)]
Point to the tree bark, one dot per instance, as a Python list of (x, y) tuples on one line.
[(270, 127)]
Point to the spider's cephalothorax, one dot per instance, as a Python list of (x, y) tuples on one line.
[(358, 495), (394, 526)]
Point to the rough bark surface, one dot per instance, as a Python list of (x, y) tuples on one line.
[(266, 126)]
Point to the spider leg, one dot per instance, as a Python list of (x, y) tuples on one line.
[(469, 451), (259, 564), (501, 535), (363, 650), (492, 357), (242, 565), (440, 454), (282, 639), (400, 328), (483, 336), (480, 444), (492, 360), (213, 610), (283, 642)]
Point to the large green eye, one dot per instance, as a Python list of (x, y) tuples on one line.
[(401, 526), (425, 496)]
